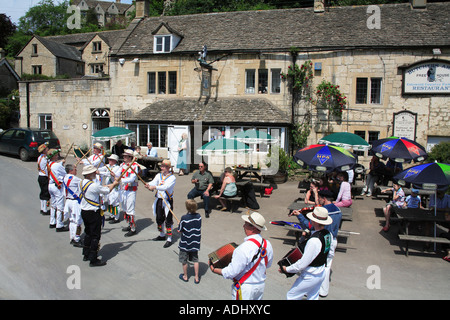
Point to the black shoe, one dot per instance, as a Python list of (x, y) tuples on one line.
[(85, 258), (126, 229), (77, 244), (207, 214), (167, 244), (130, 233), (62, 229), (97, 263), (159, 238), (109, 218), (114, 221), (52, 226)]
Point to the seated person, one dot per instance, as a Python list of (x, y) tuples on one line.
[(390, 170), (344, 198), (203, 183), (413, 200), (228, 189), (151, 152), (311, 194), (398, 199), (442, 203)]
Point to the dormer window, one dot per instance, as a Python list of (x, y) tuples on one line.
[(162, 44)]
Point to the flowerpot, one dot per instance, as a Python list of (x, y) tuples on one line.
[(280, 177)]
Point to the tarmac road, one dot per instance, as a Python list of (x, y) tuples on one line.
[(38, 263)]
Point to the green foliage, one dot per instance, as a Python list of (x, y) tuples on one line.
[(27, 77), (8, 106), (7, 28), (330, 97), (440, 153)]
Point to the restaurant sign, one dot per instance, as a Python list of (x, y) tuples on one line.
[(427, 77)]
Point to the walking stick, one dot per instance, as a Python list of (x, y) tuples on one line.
[(68, 151), (84, 156)]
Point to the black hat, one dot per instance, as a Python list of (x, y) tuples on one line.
[(326, 194)]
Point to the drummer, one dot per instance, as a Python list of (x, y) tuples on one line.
[(249, 277)]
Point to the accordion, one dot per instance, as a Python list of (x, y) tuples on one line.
[(222, 256), (290, 258)]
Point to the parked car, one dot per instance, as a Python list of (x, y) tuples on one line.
[(24, 142)]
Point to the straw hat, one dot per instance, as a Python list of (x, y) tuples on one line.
[(166, 163), (42, 147), (88, 169), (128, 152), (98, 146), (256, 220), (320, 215), (52, 152), (114, 157)]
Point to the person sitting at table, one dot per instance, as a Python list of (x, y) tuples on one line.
[(413, 200), (311, 194), (228, 189), (333, 183), (376, 168), (398, 199), (203, 183), (151, 152), (442, 203), (344, 198)]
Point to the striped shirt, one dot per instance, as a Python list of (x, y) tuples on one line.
[(189, 227)]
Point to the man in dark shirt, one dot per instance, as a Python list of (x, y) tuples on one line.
[(119, 148), (203, 181)]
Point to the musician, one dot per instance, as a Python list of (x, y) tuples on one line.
[(311, 267), (44, 195), (56, 173), (129, 185), (91, 213), (110, 172), (249, 262), (72, 208), (164, 184)]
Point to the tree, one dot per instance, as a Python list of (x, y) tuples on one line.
[(7, 28)]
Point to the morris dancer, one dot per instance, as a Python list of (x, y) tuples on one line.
[(56, 173), (72, 207), (129, 185), (110, 172), (163, 183), (311, 267), (44, 195), (249, 262), (91, 214)]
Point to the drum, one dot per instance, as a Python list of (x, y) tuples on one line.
[(290, 258), (222, 256)]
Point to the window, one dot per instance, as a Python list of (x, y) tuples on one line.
[(45, 121), (362, 87), (263, 80), (373, 135), (37, 69), (96, 67), (250, 81), (97, 46), (276, 81), (362, 134), (157, 134), (162, 44), (34, 49), (162, 80)]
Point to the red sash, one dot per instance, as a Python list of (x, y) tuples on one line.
[(49, 169)]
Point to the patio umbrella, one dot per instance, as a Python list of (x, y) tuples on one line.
[(223, 146), (110, 133), (399, 149), (320, 157), (254, 136), (346, 140), (431, 176)]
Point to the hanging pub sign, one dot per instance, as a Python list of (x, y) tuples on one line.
[(405, 125), (427, 77), (206, 83)]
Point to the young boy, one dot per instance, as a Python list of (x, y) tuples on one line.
[(413, 200), (189, 245)]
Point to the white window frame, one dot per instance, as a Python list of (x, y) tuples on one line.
[(163, 44)]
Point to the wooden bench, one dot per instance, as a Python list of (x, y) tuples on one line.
[(233, 200), (407, 238)]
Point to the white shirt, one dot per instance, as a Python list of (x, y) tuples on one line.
[(152, 152), (58, 172), (241, 261), (74, 186), (129, 178), (93, 193), (312, 249), (95, 160), (42, 165), (164, 184)]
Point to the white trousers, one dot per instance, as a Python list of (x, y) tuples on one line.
[(249, 291), (307, 284), (57, 205), (128, 202), (325, 287), (72, 210)]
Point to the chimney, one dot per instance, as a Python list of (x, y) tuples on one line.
[(319, 6), (142, 8), (418, 4), (117, 1)]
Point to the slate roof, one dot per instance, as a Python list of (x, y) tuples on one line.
[(61, 50), (279, 30), (257, 111), (80, 40)]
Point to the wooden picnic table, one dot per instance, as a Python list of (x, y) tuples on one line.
[(408, 215), (245, 172)]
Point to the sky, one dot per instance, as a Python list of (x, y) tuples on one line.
[(17, 8)]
